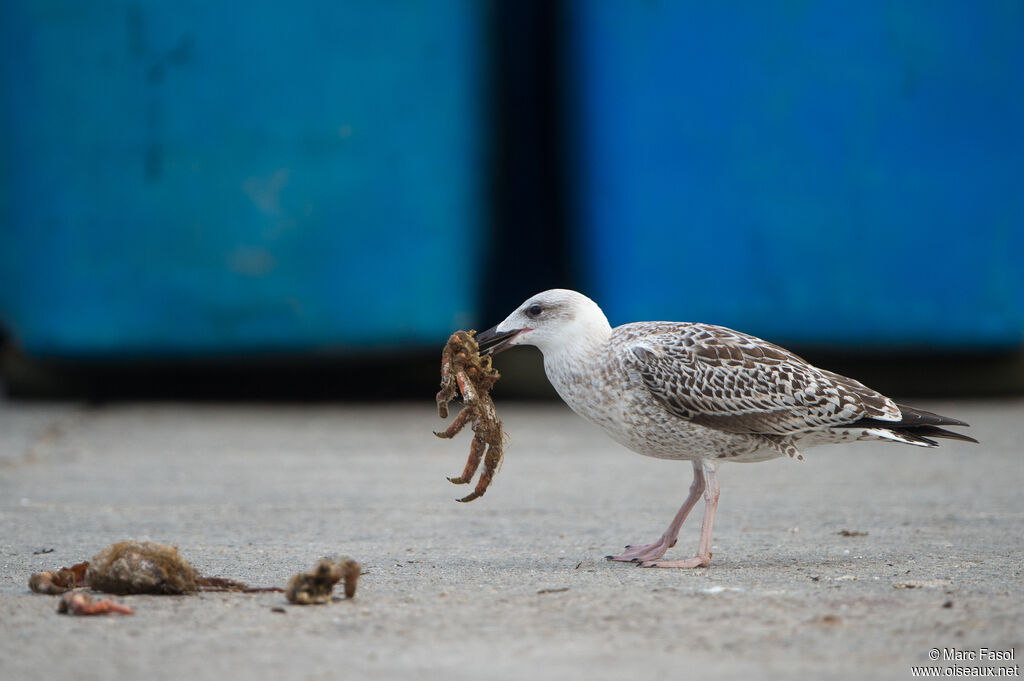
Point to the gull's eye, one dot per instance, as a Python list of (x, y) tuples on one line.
[(534, 311)]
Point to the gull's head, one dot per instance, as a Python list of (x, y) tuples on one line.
[(553, 321)]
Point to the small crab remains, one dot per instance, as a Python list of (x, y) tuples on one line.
[(78, 603), (463, 368), (317, 585)]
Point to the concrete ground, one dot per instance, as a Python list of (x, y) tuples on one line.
[(513, 585)]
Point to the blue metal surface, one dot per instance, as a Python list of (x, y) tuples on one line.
[(816, 172), (196, 177)]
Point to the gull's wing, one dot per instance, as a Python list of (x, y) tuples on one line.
[(723, 379)]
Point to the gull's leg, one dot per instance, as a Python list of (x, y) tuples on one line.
[(703, 557), (657, 549)]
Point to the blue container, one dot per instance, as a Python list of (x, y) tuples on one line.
[(206, 177), (813, 172)]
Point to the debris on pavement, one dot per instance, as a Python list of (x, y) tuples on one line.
[(463, 369), (316, 586), (78, 603), (132, 567), (851, 533), (225, 584), (55, 582)]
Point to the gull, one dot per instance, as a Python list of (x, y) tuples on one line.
[(700, 393)]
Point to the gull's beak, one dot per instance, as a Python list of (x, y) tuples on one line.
[(492, 341)]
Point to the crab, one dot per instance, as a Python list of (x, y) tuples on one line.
[(317, 585), (55, 582), (463, 369)]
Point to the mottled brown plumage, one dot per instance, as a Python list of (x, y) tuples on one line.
[(723, 379)]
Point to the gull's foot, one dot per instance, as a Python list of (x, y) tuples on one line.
[(688, 564), (636, 553)]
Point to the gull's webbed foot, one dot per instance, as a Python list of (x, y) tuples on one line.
[(645, 552)]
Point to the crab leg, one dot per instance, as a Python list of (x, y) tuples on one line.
[(442, 406), (476, 451), (445, 395), (490, 465), (466, 387), (457, 425), (447, 392)]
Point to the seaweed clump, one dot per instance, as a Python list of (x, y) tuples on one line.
[(134, 567)]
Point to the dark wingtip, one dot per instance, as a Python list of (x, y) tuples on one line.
[(935, 431), (919, 424), (912, 416)]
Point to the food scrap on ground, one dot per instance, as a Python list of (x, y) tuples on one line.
[(132, 567), (78, 603), (55, 582), (316, 586), (463, 369)]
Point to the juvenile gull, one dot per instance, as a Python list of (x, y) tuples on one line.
[(701, 393)]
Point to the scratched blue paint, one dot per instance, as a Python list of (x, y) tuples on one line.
[(846, 174), (202, 177)]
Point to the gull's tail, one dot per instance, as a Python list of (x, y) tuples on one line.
[(918, 426)]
